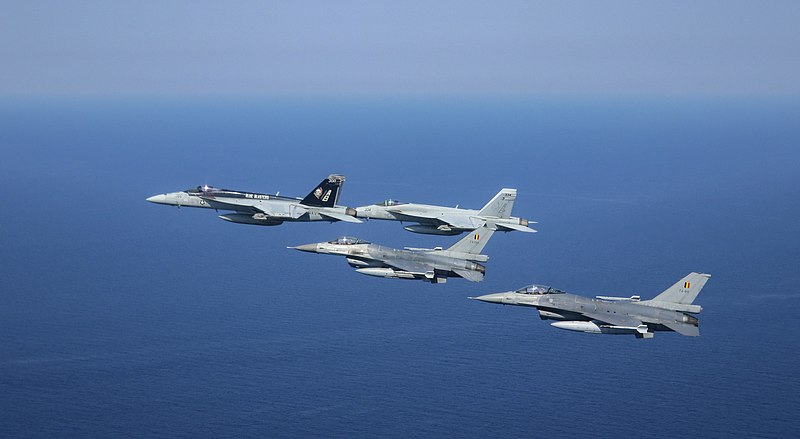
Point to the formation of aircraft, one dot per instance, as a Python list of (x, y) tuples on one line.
[(462, 259), (672, 310)]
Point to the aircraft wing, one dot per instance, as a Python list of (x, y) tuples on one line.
[(216, 204), (410, 266), (339, 216), (614, 319), (456, 221), (268, 207)]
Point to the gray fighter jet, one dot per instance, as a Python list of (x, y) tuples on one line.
[(671, 310), (266, 209), (430, 265), (440, 220)]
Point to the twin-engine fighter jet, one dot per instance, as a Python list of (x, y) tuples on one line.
[(430, 265), (440, 220), (266, 209), (671, 310)]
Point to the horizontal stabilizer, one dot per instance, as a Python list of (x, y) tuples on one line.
[(473, 276), (517, 227), (683, 329)]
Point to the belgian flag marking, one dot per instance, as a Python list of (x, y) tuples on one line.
[(687, 285), (477, 237)]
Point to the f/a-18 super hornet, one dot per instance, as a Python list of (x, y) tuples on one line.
[(671, 310), (430, 265), (266, 209), (441, 220)]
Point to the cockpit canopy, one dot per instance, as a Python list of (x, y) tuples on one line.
[(203, 189), (539, 289), (391, 202), (348, 240)]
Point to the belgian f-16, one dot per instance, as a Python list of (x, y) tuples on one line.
[(266, 209), (463, 259), (441, 220), (672, 310)]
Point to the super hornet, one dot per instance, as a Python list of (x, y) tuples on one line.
[(441, 220), (266, 209), (671, 310), (430, 265)]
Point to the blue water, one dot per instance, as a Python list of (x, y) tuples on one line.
[(120, 317)]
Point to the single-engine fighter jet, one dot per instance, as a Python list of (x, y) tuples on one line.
[(266, 209), (430, 265), (671, 310), (440, 220)]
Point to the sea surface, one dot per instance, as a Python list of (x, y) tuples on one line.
[(119, 317)]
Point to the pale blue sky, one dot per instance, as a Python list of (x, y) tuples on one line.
[(450, 47)]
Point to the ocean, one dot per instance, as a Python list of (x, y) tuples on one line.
[(123, 318)]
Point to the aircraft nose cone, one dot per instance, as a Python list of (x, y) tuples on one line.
[(312, 248), (158, 199), (491, 298)]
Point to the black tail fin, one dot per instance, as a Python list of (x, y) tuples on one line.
[(326, 194)]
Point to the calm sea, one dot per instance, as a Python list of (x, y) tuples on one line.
[(123, 318)]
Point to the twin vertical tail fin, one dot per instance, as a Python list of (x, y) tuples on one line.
[(685, 290), (500, 206), (326, 194)]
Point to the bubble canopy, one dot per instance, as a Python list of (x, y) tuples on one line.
[(204, 188), (538, 289), (348, 240), (391, 202)]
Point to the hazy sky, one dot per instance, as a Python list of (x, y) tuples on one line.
[(374, 47)]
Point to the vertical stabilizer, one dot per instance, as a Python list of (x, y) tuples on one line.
[(326, 194), (500, 206), (685, 290), (475, 241)]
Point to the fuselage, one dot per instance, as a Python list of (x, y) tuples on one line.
[(377, 260), (249, 207), (436, 220), (571, 311), (199, 197), (575, 305)]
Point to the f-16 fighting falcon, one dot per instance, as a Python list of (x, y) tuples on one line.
[(671, 310), (430, 265), (440, 220), (265, 209)]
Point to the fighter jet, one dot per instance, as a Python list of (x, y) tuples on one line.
[(671, 310), (430, 265), (440, 220), (266, 209)]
